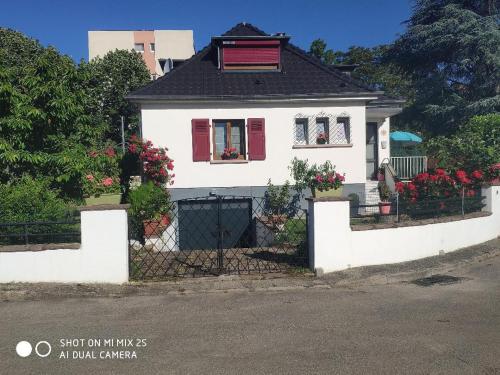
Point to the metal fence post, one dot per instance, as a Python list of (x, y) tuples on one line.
[(397, 206), (463, 201), (220, 236), (26, 234)]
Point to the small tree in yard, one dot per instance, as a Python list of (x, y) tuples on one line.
[(277, 198)]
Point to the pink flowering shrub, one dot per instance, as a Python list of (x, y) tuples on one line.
[(321, 177), (101, 172), (157, 165)]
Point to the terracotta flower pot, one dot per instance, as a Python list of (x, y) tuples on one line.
[(384, 208), (153, 228)]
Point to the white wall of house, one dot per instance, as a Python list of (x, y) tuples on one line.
[(334, 246), (169, 125), (101, 258), (384, 146)]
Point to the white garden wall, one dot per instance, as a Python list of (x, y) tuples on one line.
[(334, 246), (101, 258), (170, 125)]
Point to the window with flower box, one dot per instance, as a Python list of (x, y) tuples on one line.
[(237, 139), (228, 139)]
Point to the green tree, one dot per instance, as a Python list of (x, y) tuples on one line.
[(475, 146), (372, 68), (319, 50), (450, 50), (45, 125), (108, 81)]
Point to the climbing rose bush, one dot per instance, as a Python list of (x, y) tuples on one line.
[(157, 165)]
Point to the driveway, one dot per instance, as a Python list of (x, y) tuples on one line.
[(318, 326)]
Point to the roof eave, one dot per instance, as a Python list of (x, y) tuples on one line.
[(367, 96)]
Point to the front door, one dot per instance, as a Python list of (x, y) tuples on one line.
[(371, 149)]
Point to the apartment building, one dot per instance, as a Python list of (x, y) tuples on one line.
[(162, 50)]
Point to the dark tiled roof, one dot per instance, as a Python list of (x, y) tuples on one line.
[(301, 75)]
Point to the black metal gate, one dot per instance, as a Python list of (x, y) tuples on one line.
[(218, 235)]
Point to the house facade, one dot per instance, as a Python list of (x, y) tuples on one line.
[(268, 101)]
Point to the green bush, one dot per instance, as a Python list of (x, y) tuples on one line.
[(277, 198), (474, 146), (30, 200), (149, 202)]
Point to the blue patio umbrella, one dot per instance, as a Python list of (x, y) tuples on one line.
[(407, 137)]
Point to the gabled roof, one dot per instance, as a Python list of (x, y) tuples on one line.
[(302, 75)]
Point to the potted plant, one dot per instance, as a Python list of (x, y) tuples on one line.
[(150, 207), (277, 200), (321, 139), (384, 193), (230, 153), (101, 182), (322, 179), (381, 174)]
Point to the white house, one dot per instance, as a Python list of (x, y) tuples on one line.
[(269, 100)]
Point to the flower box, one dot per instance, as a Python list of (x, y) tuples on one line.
[(328, 193), (105, 198)]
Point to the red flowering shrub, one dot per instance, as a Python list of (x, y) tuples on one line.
[(440, 184), (157, 165)]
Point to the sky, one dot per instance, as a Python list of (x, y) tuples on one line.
[(341, 23)]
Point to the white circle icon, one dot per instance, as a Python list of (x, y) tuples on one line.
[(23, 349), (49, 349)]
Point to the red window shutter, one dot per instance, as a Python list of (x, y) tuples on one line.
[(251, 55), (256, 139), (201, 139)]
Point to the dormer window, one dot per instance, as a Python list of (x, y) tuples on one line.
[(250, 55)]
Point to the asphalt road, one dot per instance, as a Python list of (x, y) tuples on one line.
[(399, 328)]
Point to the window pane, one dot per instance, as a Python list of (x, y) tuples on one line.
[(152, 47), (322, 128), (301, 132), (220, 137), (139, 47), (236, 138), (342, 131)]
